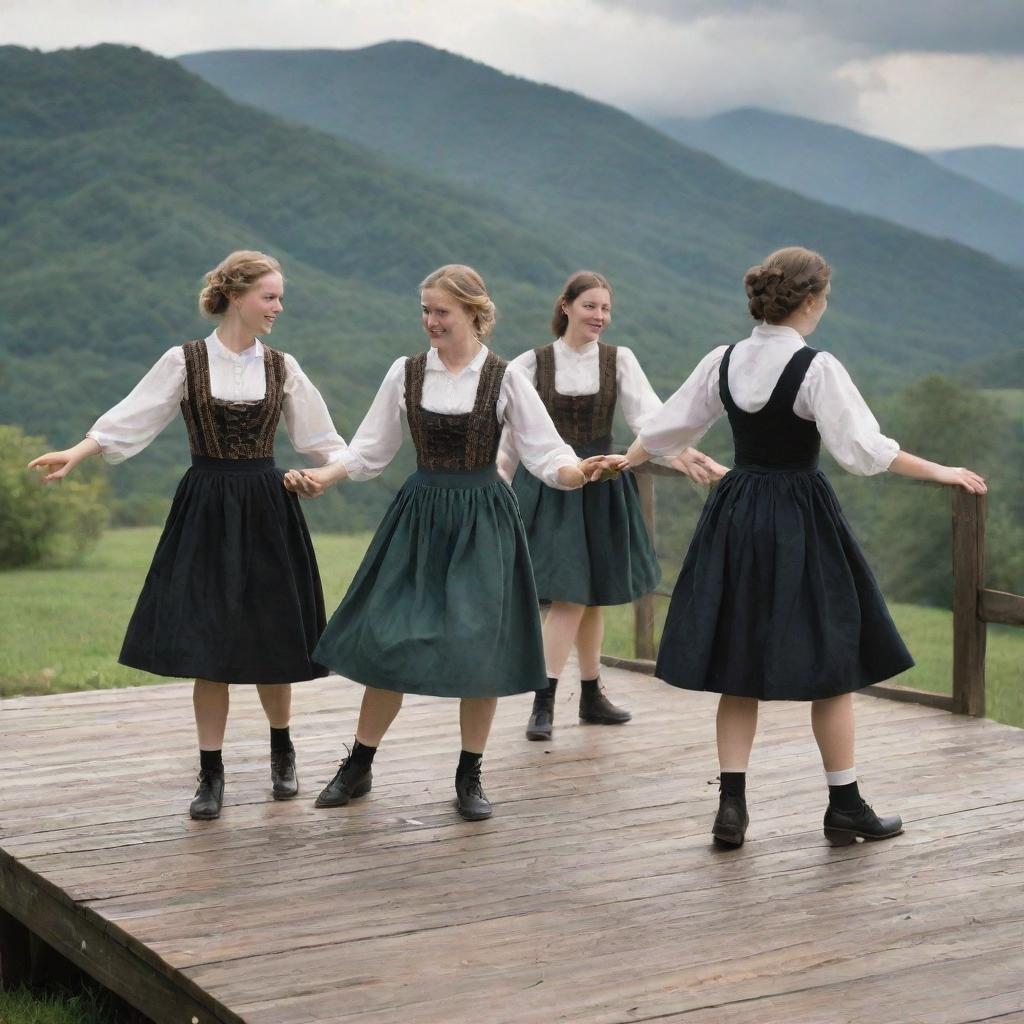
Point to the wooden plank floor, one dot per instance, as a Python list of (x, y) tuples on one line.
[(593, 895)]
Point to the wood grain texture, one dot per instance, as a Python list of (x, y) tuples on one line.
[(593, 894)]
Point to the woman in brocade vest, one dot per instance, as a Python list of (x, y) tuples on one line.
[(233, 593), (589, 548), (444, 602)]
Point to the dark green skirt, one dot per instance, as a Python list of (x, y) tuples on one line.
[(444, 602), (589, 546)]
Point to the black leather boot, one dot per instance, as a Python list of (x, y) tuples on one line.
[(845, 827), (209, 796), (730, 827), (469, 795), (283, 777), (350, 781), (597, 709), (542, 716)]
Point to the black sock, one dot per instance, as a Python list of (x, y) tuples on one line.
[(362, 754), (845, 798), (589, 686), (733, 783), (210, 761), (467, 762), (281, 739)]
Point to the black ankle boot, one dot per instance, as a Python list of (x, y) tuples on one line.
[(283, 777), (597, 709), (730, 827), (209, 796), (350, 781), (469, 795), (542, 716), (844, 827)]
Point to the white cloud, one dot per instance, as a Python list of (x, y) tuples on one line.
[(655, 57)]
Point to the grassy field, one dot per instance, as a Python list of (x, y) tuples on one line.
[(62, 628)]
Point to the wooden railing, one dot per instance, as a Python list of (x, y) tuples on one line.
[(974, 606)]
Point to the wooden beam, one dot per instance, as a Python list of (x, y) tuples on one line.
[(908, 695), (15, 958), (997, 606), (968, 578), (645, 666), (643, 607), (117, 961)]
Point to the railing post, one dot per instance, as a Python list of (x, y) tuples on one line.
[(643, 608), (968, 580)]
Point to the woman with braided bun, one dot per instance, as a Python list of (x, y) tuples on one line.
[(233, 594), (590, 548), (775, 600), (444, 602)]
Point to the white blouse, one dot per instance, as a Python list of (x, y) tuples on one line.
[(238, 377), (578, 372), (827, 396), (518, 408)]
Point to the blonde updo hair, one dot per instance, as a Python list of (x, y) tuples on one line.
[(234, 275), (466, 286), (580, 282), (782, 281)]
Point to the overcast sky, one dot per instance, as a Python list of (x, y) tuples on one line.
[(926, 73)]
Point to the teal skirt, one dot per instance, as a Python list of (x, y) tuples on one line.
[(444, 602), (589, 546)]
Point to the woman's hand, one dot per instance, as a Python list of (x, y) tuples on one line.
[(917, 468), (957, 476), (311, 483), (700, 468), (61, 463)]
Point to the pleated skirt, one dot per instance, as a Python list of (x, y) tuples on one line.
[(589, 546), (233, 593), (444, 601), (775, 599)]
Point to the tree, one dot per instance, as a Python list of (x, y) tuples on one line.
[(53, 525)]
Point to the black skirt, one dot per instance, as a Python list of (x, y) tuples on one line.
[(233, 594), (775, 599)]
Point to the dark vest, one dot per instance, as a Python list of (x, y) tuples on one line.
[(580, 419), (773, 437), (221, 429), (455, 441)]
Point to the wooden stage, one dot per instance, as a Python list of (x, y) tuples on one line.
[(593, 895)]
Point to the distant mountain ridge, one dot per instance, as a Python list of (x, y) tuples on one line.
[(999, 167), (669, 223), (861, 173)]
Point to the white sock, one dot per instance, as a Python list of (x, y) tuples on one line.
[(843, 778)]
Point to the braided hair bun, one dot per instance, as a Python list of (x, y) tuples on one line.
[(782, 281)]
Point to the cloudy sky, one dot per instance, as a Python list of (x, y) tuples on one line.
[(926, 73)]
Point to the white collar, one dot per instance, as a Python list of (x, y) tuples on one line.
[(434, 361), (217, 347), (776, 332), (584, 350)]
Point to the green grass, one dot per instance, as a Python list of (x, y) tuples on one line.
[(62, 628), (22, 1006)]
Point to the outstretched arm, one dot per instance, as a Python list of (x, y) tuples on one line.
[(952, 476), (61, 463)]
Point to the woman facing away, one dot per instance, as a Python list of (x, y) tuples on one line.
[(775, 600), (233, 593), (444, 602), (589, 547)]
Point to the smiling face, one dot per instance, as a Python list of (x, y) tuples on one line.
[(588, 314), (258, 307), (447, 321)]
